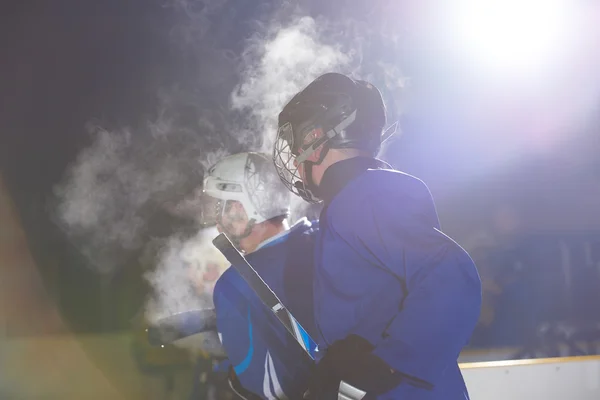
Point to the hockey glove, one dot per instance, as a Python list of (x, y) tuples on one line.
[(351, 360)]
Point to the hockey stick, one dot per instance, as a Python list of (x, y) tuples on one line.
[(178, 326), (270, 299)]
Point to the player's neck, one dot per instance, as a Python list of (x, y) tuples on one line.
[(261, 233), (334, 156)]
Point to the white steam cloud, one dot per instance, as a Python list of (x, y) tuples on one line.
[(279, 66), (117, 184), (187, 272)]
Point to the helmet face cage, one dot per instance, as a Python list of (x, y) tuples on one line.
[(222, 207), (284, 159), (208, 210)]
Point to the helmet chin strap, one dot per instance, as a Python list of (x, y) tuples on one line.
[(308, 190)]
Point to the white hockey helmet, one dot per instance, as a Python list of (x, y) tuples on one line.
[(251, 179)]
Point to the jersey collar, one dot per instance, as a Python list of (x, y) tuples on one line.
[(300, 223), (338, 175)]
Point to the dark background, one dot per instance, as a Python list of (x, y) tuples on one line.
[(64, 63)]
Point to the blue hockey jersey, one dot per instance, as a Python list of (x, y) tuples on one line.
[(265, 359), (386, 272)]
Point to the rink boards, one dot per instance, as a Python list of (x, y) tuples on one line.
[(576, 378)]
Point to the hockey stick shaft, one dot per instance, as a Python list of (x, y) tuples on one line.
[(178, 326), (266, 295)]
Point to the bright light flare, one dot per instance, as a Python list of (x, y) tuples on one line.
[(512, 35)]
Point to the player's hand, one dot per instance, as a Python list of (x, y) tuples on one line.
[(351, 360), (323, 383)]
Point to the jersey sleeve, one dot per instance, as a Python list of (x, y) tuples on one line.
[(234, 328), (436, 318)]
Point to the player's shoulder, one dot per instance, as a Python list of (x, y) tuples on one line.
[(302, 228), (376, 186), (380, 191), (390, 179), (228, 277), (230, 281), (230, 288)]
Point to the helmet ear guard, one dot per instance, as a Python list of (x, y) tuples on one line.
[(330, 134)]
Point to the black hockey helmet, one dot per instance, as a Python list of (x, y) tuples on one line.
[(350, 114), (331, 100)]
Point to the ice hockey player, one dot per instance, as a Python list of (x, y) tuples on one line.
[(252, 208), (395, 299)]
